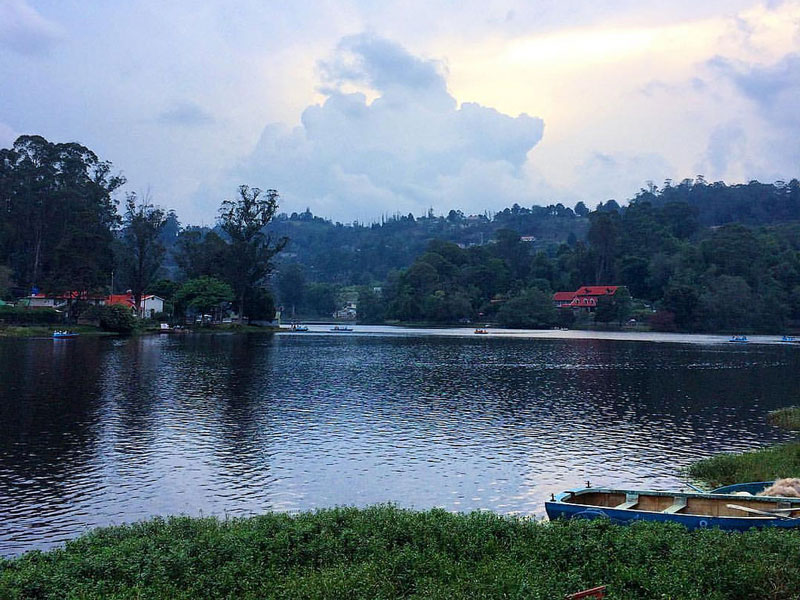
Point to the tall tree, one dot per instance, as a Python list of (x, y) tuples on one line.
[(142, 249), (57, 214), (251, 250)]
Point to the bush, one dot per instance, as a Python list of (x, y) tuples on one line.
[(115, 317), (20, 315)]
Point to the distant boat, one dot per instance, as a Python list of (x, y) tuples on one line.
[(482, 331), (693, 510), (299, 328), (739, 339), (65, 334), (339, 329), (790, 339)]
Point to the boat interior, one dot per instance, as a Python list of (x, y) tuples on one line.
[(706, 505)]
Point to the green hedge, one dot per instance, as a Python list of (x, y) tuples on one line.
[(19, 315), (386, 552)]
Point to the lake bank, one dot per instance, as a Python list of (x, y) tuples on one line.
[(386, 552)]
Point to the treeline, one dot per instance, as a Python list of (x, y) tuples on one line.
[(722, 278), (61, 234)]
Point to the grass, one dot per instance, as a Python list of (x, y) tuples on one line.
[(386, 552), (47, 330), (787, 418), (760, 465)]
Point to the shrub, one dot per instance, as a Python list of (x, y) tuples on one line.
[(20, 315)]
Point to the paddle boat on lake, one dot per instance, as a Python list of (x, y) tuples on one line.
[(481, 331), (739, 339), (721, 508), (64, 334), (296, 327)]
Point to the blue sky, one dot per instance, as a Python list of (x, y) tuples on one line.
[(358, 109)]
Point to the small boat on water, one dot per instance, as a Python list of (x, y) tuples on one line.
[(64, 334), (721, 508), (299, 328), (739, 339), (790, 339), (341, 329), (481, 331)]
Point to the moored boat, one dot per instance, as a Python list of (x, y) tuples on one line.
[(693, 510)]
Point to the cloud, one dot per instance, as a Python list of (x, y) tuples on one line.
[(25, 31), (186, 114), (408, 149)]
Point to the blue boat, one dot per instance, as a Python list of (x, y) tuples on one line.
[(739, 339), (64, 334), (726, 510)]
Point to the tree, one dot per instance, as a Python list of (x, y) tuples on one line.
[(204, 294), (141, 249), (251, 250), (292, 286), (532, 309), (57, 214)]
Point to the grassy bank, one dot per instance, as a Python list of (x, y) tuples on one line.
[(385, 552), (760, 465), (47, 330), (788, 418)]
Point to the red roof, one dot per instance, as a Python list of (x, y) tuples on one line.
[(123, 299), (597, 290), (563, 296)]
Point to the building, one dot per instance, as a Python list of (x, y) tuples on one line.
[(150, 304), (585, 297), (39, 300)]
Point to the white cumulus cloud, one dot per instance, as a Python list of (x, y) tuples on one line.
[(410, 148)]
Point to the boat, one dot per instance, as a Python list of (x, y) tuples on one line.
[(740, 339), (65, 334), (722, 508), (482, 331), (299, 328), (790, 339), (339, 329), (751, 487)]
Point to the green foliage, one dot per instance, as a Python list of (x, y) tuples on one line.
[(386, 552), (58, 215), (114, 317), (140, 251), (251, 249), (760, 465), (20, 315), (788, 418), (203, 294), (533, 309)]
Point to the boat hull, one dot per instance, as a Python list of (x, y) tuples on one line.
[(560, 508)]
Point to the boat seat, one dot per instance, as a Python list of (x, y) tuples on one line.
[(678, 505), (631, 500)]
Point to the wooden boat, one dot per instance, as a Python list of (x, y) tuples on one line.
[(693, 510), (481, 331)]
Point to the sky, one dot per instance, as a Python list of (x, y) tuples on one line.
[(359, 109)]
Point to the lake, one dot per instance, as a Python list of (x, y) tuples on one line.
[(98, 431)]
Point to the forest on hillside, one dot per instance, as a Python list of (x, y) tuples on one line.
[(695, 256)]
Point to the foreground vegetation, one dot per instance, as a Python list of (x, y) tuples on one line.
[(760, 465), (386, 552)]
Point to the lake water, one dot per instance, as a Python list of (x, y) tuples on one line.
[(107, 431)]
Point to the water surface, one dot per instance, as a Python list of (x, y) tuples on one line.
[(97, 431)]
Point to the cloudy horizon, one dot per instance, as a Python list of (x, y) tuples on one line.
[(357, 110)]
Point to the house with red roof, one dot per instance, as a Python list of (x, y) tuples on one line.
[(150, 304), (585, 297)]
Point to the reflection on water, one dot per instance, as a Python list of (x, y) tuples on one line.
[(95, 432)]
